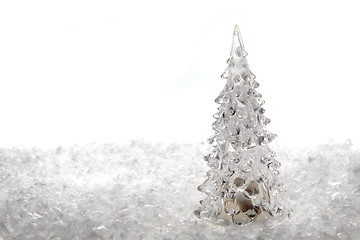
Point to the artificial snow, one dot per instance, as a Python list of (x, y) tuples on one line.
[(140, 190)]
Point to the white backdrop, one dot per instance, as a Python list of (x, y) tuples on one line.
[(108, 71)]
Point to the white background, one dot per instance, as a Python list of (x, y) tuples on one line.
[(107, 71)]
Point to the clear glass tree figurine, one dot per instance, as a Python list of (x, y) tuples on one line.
[(241, 185)]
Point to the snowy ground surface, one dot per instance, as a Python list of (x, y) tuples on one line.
[(148, 191)]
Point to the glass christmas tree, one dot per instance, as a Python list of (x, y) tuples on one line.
[(241, 186)]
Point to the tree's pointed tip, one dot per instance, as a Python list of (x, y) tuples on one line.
[(237, 37), (237, 44), (236, 29)]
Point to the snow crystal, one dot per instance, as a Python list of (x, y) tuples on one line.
[(148, 191)]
